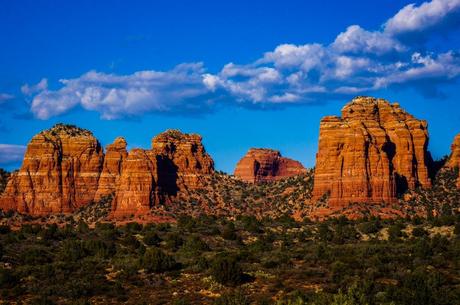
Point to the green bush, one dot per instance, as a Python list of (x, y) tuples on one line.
[(173, 241), (155, 260), (228, 232), (151, 238), (233, 298), (226, 269)]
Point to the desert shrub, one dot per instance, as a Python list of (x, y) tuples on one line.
[(226, 269), (186, 223), (395, 232), (49, 232), (72, 250), (370, 227), (339, 270), (344, 232), (324, 233), (422, 248), (133, 227), (419, 232), (130, 241), (30, 229), (100, 248), (229, 232), (155, 260), (251, 224), (5, 229), (7, 278), (173, 241), (82, 227), (151, 238), (194, 245), (236, 297), (34, 256)]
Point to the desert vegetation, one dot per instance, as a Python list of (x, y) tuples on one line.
[(211, 260)]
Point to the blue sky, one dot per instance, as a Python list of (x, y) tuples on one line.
[(241, 74)]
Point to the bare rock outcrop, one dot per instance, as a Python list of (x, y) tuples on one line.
[(371, 153), (265, 165), (454, 159), (60, 172), (65, 168), (115, 154), (176, 163)]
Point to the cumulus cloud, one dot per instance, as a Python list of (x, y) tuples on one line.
[(32, 89), (115, 96), (10, 153), (357, 40), (414, 18), (357, 61)]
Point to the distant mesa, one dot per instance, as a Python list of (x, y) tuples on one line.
[(265, 165), (370, 154), (65, 168)]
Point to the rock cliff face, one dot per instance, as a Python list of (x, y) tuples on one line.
[(176, 163), (60, 172), (114, 156), (65, 168), (264, 165), (371, 153), (454, 159)]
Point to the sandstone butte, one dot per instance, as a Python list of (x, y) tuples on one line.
[(371, 153), (265, 165), (65, 168), (454, 159)]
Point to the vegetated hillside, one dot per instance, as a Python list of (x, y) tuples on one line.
[(4, 175), (442, 196), (227, 196), (210, 260)]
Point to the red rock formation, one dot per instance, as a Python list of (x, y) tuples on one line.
[(454, 159), (64, 168), (370, 153), (263, 165), (111, 171), (59, 173), (176, 163), (181, 155), (136, 189)]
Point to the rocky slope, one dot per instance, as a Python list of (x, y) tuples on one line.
[(454, 159), (264, 165), (370, 154)]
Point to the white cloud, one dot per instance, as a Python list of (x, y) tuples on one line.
[(307, 57), (32, 89), (116, 96), (357, 40), (358, 61), (5, 97), (443, 66), (10, 153), (414, 18)]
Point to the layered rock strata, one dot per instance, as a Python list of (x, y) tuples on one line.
[(176, 163), (374, 151), (454, 159), (65, 168), (265, 165), (60, 172)]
